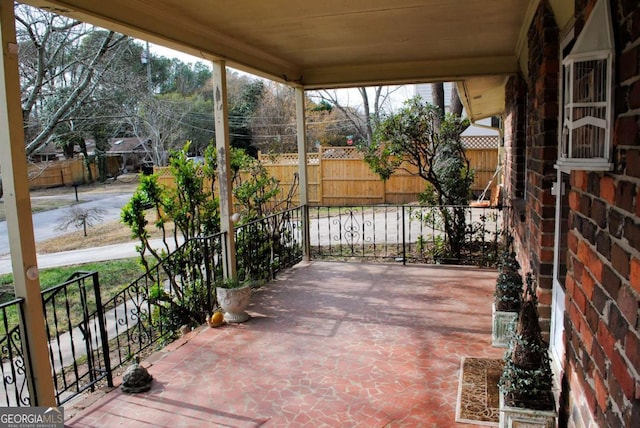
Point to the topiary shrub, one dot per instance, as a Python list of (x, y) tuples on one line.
[(508, 293), (527, 379)]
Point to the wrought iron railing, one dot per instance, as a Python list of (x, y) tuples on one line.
[(88, 341), (178, 290), (16, 374), (266, 246), (75, 326), (406, 233)]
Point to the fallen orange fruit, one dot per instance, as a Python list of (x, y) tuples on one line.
[(216, 319)]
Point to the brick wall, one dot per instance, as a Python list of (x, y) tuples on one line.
[(536, 249), (515, 137), (603, 282)]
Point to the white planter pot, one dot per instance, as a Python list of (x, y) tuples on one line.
[(233, 302), (518, 417), (503, 325)]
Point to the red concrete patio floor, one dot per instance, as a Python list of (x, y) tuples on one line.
[(328, 345)]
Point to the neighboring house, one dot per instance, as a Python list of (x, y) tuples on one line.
[(134, 153), (481, 134)]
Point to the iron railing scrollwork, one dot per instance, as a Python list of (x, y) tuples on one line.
[(75, 327), (266, 246), (407, 233), (16, 373), (88, 338)]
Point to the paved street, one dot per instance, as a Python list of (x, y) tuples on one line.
[(45, 223)]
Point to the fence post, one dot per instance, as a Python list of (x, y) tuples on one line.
[(104, 335), (404, 248)]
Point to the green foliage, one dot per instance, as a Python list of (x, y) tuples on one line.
[(190, 205), (508, 292), (527, 379), (230, 283), (418, 135), (113, 274), (256, 193), (193, 208), (172, 311), (242, 110)]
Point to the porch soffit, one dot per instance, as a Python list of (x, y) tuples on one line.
[(331, 44)]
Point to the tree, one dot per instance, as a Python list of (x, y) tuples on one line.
[(328, 126), (273, 128), (63, 69), (244, 102), (81, 218), (160, 118), (418, 135), (365, 115)]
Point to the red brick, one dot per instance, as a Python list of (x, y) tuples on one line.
[(628, 305), (579, 298), (628, 67), (607, 189), (544, 296), (587, 285), (583, 252), (575, 316), (622, 375), (634, 275), (634, 95), (625, 193), (595, 266), (633, 163), (589, 394), (632, 348), (587, 336), (578, 268), (546, 256), (579, 180), (602, 393), (572, 242), (620, 261), (547, 240), (570, 284), (606, 339)]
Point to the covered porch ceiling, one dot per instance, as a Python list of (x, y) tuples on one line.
[(333, 43)]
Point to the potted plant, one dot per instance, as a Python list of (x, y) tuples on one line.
[(508, 296), (526, 383), (233, 297)]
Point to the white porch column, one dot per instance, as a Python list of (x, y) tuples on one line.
[(221, 113), (302, 171), (17, 204)]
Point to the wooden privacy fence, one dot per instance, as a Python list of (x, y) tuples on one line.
[(338, 176), (66, 172)]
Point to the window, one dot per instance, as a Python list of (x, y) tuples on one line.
[(585, 140)]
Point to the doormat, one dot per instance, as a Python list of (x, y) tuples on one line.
[(478, 393)]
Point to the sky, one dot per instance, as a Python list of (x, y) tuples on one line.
[(347, 97)]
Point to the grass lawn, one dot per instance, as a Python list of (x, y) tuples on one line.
[(113, 276)]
